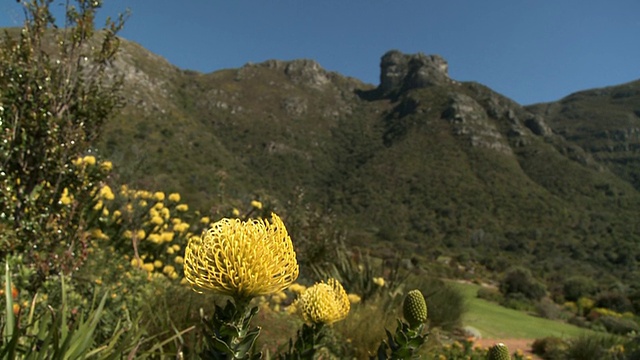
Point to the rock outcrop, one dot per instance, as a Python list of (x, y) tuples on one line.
[(401, 72)]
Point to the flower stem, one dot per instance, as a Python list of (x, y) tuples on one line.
[(229, 335)]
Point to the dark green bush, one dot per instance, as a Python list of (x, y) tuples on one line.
[(550, 348), (617, 325), (549, 310), (614, 300), (519, 280), (446, 304), (578, 286), (54, 98), (590, 347), (579, 321), (518, 301)]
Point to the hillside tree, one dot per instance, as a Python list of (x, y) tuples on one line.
[(57, 88)]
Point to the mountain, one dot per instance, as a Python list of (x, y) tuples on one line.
[(605, 123), (420, 165)]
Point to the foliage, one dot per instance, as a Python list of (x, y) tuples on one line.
[(70, 212), (409, 336), (518, 280), (403, 344), (550, 348), (62, 333), (578, 286), (228, 334), (56, 92), (447, 304), (618, 325), (308, 341), (497, 322), (614, 300), (356, 271), (586, 347), (376, 315), (433, 191)]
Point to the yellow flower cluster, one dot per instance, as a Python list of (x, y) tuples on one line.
[(174, 197), (66, 198), (324, 303), (159, 195), (256, 204), (157, 223), (106, 193), (106, 166), (89, 160), (242, 259)]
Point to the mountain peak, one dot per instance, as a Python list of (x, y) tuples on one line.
[(400, 72), (299, 71)]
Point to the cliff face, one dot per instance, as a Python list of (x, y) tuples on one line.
[(401, 72)]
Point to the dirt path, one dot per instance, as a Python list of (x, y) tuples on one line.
[(512, 344)]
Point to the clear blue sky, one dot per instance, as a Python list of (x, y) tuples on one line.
[(528, 50)]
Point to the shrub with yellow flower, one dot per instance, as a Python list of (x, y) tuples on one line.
[(324, 303), (321, 304), (243, 260)]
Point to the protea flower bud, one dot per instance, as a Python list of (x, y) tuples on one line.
[(498, 352), (415, 308)]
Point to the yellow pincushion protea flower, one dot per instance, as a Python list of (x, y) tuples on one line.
[(242, 259), (324, 303)]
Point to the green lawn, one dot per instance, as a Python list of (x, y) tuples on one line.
[(495, 322)]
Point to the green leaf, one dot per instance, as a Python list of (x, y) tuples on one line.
[(10, 319)]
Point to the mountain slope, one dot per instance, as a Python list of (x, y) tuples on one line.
[(421, 165), (604, 122)]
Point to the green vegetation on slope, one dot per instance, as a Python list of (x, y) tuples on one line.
[(497, 322), (452, 169)]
